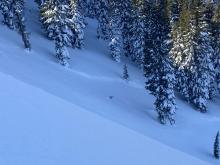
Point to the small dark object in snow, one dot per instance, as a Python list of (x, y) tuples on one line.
[(111, 97)]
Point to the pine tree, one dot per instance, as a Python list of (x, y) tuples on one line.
[(192, 54), (125, 72), (59, 26), (62, 53), (115, 44), (216, 147), (22, 28), (138, 31), (182, 51), (150, 35), (7, 10), (13, 13), (71, 17), (48, 17), (127, 28), (158, 68), (103, 20), (77, 25), (202, 67), (216, 43), (165, 98), (209, 12), (92, 8), (95, 7), (174, 7), (83, 7)]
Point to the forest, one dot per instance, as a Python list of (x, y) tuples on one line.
[(175, 43)]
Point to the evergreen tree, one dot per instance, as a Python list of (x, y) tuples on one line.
[(202, 67), (71, 18), (7, 10), (115, 44), (58, 23), (125, 72), (103, 20), (150, 35), (192, 54), (62, 53), (13, 13), (137, 37), (216, 146), (216, 43), (182, 49), (22, 28), (77, 25), (209, 11), (61, 34), (174, 7), (127, 28), (83, 7), (158, 68), (165, 98), (48, 17), (92, 8)]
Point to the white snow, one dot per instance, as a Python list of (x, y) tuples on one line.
[(87, 115), (38, 128)]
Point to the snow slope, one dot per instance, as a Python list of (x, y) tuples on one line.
[(38, 128), (56, 99)]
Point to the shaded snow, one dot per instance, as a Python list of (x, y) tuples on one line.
[(38, 128), (48, 118)]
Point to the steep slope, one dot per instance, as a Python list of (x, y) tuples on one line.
[(40, 129), (90, 81)]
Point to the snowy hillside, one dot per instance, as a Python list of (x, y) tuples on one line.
[(38, 128), (87, 114)]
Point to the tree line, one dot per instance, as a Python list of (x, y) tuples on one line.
[(176, 43)]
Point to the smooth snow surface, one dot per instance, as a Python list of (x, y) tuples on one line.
[(88, 115), (38, 128)]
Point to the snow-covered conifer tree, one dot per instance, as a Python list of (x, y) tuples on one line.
[(71, 17), (92, 8), (165, 99), (58, 23), (103, 19), (127, 25), (13, 14), (115, 44), (62, 53), (137, 37), (202, 68), (216, 147), (158, 69), (77, 25), (209, 12), (82, 7), (125, 72), (216, 43), (7, 10), (20, 23), (48, 17), (182, 32)]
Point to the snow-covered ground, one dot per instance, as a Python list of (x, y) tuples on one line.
[(53, 115), (38, 128)]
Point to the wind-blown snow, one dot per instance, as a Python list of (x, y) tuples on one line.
[(87, 114)]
